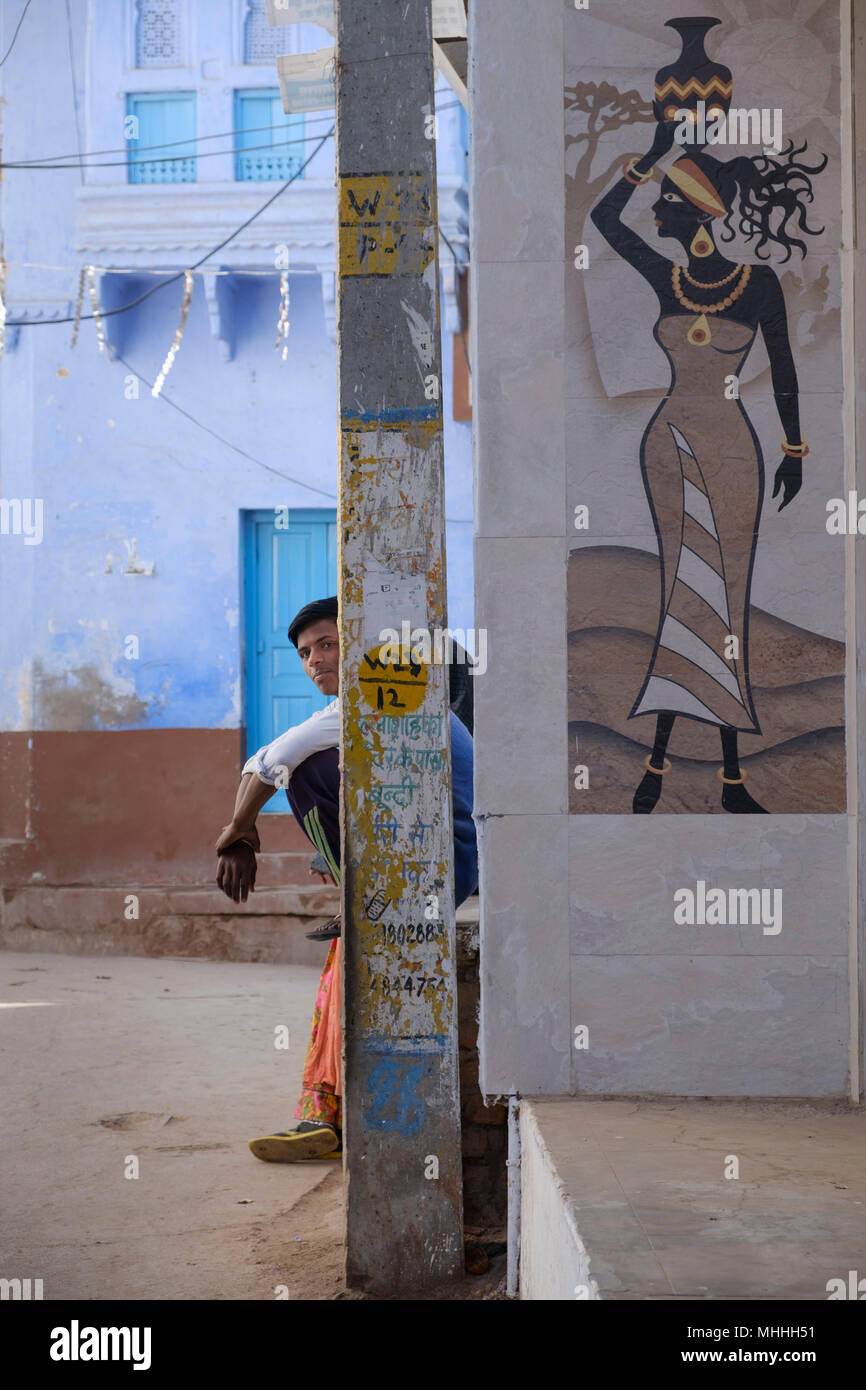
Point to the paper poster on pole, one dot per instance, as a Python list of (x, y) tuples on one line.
[(449, 19), (391, 599), (307, 80)]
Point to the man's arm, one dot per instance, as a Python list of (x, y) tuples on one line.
[(269, 768), (252, 795), (239, 841), (276, 762), (272, 766)]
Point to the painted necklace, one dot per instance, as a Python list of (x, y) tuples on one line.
[(699, 334), (712, 284)]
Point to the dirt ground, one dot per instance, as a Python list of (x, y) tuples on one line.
[(131, 1087), (304, 1250)]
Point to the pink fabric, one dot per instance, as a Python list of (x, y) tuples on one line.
[(322, 1084)]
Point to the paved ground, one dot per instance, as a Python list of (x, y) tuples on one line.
[(694, 1199), (171, 1062)]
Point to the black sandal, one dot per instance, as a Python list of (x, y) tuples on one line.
[(328, 931)]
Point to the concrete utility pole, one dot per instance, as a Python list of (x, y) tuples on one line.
[(401, 1110)]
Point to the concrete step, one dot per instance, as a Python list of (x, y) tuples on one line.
[(154, 921), (675, 1198)]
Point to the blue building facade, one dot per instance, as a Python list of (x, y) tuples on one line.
[(141, 649)]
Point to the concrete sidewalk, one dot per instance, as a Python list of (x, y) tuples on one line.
[(691, 1199), (171, 1062)]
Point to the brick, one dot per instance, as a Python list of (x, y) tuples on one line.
[(479, 1113)]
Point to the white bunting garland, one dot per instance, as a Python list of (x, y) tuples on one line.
[(167, 365), (82, 277), (283, 323), (94, 303)]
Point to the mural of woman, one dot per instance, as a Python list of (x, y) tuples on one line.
[(700, 456)]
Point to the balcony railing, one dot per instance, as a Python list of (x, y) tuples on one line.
[(261, 166), (162, 171)]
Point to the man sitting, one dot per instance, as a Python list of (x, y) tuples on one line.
[(305, 759)]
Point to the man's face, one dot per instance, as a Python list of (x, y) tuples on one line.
[(319, 650)]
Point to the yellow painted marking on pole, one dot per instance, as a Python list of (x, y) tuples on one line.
[(419, 433), (395, 687), (386, 224)]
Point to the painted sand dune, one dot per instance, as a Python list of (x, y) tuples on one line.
[(795, 765)]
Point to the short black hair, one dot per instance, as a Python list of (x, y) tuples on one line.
[(313, 613)]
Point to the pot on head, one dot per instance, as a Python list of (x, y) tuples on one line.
[(693, 77)]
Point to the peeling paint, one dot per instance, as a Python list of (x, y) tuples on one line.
[(232, 718), (81, 698), (421, 334), (406, 986)]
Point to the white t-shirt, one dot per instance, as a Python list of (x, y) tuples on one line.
[(276, 762)]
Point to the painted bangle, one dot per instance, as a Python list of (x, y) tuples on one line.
[(795, 451), (631, 174)]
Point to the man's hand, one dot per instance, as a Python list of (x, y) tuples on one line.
[(236, 875), (235, 831)]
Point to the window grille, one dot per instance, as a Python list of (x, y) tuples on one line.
[(158, 37), (262, 44)]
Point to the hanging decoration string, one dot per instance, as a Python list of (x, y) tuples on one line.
[(167, 365), (82, 277), (94, 304), (283, 323), (2, 305)]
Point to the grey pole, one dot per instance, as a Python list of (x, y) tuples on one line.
[(401, 1094)]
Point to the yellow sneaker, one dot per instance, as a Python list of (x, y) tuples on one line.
[(308, 1141)]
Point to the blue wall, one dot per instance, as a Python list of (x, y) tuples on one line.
[(112, 466)]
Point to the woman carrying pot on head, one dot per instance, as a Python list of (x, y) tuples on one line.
[(700, 456)]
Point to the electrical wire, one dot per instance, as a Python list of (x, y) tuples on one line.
[(15, 35), (331, 496), (74, 88), (227, 442), (123, 308), (169, 144), (451, 249), (169, 159), (166, 145)]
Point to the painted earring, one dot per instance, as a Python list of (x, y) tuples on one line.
[(702, 243)]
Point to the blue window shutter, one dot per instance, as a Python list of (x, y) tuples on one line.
[(262, 128), (164, 118), (283, 570)]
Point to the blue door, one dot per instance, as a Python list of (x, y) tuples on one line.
[(290, 558)]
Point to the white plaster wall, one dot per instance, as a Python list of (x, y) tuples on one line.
[(517, 240), (553, 1261), (670, 1012)]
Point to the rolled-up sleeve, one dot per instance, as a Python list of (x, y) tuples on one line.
[(275, 762)]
